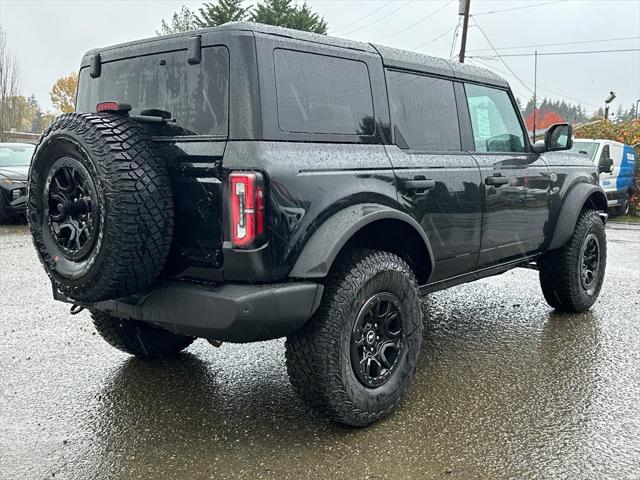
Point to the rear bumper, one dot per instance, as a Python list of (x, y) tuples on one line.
[(231, 312)]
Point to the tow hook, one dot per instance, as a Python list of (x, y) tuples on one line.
[(215, 343), (75, 309)]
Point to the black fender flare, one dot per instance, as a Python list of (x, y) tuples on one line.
[(572, 205), (325, 243)]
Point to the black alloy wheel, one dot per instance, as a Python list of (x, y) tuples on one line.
[(376, 340), (71, 207), (590, 265)]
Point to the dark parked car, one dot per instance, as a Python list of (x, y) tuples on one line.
[(15, 159), (245, 183)]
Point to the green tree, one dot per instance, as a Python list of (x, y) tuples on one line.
[(303, 18), (281, 13), (214, 14), (181, 21), (285, 13), (36, 118)]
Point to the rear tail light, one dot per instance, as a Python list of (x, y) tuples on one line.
[(246, 208), (113, 107)]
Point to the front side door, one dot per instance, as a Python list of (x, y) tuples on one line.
[(515, 180), (438, 183), (608, 179)]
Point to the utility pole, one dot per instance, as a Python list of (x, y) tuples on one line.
[(464, 10), (535, 90)]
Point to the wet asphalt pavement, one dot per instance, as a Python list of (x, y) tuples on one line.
[(506, 388)]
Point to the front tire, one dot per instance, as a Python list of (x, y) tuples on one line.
[(571, 277), (138, 338), (355, 358), (626, 206)]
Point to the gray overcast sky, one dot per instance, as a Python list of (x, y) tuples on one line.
[(50, 36)]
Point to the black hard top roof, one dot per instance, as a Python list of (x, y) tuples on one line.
[(391, 57)]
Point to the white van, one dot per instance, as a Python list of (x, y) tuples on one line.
[(619, 183)]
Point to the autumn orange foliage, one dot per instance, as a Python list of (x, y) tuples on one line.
[(63, 93), (543, 119)]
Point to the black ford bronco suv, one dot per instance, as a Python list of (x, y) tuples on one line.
[(245, 182)]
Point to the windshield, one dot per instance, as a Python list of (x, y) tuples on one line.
[(586, 148), (195, 95), (16, 155)]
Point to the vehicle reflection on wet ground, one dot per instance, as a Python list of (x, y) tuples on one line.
[(506, 388)]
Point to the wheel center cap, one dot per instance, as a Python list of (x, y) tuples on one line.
[(371, 337)]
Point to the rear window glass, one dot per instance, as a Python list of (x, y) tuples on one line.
[(323, 94), (423, 112), (195, 95)]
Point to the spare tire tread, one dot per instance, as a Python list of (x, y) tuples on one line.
[(138, 204)]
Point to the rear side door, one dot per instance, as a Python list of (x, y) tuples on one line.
[(515, 180), (438, 182)]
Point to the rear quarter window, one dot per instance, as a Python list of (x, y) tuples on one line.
[(197, 96), (423, 112), (322, 94)]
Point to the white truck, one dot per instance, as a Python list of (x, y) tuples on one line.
[(617, 184)]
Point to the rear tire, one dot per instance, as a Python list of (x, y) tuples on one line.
[(354, 359), (138, 338), (571, 277)]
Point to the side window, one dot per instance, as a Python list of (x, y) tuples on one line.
[(494, 120), (423, 112), (323, 94), (605, 155)]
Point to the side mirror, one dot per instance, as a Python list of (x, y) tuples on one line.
[(605, 166), (557, 137)]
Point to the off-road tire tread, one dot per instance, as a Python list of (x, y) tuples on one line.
[(137, 338), (136, 185), (557, 269), (313, 371)]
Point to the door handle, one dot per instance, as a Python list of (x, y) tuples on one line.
[(496, 180), (421, 184)]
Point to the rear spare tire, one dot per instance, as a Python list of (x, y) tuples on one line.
[(100, 206)]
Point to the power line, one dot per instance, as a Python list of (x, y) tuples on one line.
[(490, 12), (498, 55), (454, 39), (557, 44), (416, 23), (378, 20), (531, 83), (346, 27), (581, 52), (435, 39)]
